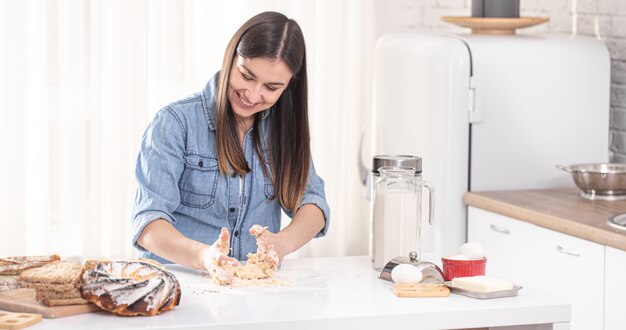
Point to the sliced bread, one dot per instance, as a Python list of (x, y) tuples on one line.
[(60, 272), (49, 294), (65, 302), (51, 287)]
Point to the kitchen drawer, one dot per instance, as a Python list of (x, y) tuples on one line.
[(505, 242), (558, 264), (573, 269)]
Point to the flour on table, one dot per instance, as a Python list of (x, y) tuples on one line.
[(259, 282), (251, 276)]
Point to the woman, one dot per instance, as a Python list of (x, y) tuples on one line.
[(231, 156)]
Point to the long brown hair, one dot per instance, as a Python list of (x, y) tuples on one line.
[(270, 35)]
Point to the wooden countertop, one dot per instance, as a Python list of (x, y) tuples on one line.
[(562, 210)]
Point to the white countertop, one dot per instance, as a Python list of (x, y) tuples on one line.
[(338, 292)]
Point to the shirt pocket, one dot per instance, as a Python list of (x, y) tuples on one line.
[(269, 185), (198, 182)]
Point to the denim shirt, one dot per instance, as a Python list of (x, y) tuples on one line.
[(179, 180)]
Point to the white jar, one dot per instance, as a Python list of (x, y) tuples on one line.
[(396, 214)]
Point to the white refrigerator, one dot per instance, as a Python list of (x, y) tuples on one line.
[(489, 113)]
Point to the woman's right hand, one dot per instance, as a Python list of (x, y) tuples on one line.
[(216, 259)]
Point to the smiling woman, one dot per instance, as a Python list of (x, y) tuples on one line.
[(82, 80), (255, 131)]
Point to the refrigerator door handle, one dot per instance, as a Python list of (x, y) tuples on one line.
[(364, 173), (476, 101), (363, 170)]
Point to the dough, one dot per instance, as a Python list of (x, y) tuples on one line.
[(260, 265)]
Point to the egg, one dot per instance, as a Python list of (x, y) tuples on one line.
[(472, 250), (405, 273), (457, 257)]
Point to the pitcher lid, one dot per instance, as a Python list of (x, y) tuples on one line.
[(397, 160)]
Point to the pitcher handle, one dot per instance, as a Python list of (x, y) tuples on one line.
[(431, 201)]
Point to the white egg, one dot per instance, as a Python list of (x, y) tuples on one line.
[(457, 257), (472, 250), (405, 273)]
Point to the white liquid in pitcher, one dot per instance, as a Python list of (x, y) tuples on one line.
[(395, 226)]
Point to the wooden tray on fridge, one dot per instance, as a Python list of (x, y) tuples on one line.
[(494, 25)]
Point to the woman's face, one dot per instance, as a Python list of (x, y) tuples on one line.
[(255, 84)]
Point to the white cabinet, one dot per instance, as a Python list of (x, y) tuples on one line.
[(573, 269), (506, 244), (567, 267), (615, 290)]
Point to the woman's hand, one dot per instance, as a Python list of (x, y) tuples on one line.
[(216, 259), (269, 245)]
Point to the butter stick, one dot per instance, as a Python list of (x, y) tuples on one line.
[(482, 283)]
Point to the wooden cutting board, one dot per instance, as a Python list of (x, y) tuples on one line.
[(420, 290), (23, 301)]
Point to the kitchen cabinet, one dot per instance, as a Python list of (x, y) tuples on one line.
[(505, 242), (573, 269), (615, 290), (562, 265)]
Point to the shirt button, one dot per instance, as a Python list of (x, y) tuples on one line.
[(200, 163), (232, 209), (236, 233)]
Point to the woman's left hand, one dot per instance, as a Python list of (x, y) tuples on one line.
[(269, 245)]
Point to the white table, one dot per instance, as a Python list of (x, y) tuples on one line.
[(335, 293)]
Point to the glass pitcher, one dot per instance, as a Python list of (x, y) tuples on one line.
[(397, 213)]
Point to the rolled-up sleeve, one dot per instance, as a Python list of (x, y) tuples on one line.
[(159, 167), (314, 194)]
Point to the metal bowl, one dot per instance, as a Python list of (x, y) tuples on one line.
[(602, 179)]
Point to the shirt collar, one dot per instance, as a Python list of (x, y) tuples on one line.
[(209, 102)]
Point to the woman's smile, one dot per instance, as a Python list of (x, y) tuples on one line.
[(243, 102)]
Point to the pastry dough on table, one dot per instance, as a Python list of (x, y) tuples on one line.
[(260, 265)]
